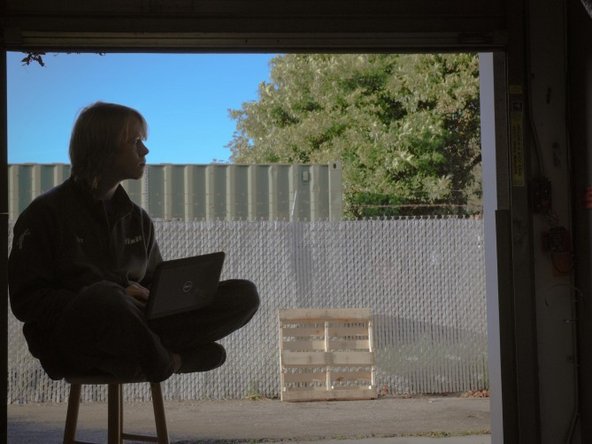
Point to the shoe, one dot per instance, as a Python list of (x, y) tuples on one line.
[(202, 358)]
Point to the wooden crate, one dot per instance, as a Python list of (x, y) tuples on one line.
[(326, 354)]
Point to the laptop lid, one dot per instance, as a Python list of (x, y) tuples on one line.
[(186, 284)]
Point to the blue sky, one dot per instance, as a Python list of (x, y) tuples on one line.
[(184, 97)]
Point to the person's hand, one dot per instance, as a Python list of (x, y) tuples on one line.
[(138, 292)]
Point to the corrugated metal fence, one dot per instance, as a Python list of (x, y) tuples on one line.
[(208, 192), (423, 279)]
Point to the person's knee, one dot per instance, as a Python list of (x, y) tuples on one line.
[(239, 296), (248, 294)]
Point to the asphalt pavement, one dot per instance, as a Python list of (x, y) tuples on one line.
[(421, 420)]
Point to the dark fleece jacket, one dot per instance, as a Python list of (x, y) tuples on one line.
[(66, 240)]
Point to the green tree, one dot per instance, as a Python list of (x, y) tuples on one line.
[(405, 127)]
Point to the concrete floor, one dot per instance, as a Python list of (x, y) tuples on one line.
[(451, 420)]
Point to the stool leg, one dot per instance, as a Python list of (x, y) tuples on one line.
[(159, 415), (72, 414), (114, 414), (121, 395)]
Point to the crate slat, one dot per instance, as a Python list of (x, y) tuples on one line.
[(332, 395), (308, 314), (303, 331), (351, 358), (307, 359), (348, 331), (304, 377), (320, 344), (304, 345), (320, 358), (359, 344), (351, 376)]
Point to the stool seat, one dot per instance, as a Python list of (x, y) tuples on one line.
[(101, 378), (115, 433)]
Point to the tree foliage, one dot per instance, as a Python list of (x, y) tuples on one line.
[(405, 127)]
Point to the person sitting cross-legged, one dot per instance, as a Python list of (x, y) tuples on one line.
[(83, 259)]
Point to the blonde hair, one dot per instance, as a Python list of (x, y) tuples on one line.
[(98, 132)]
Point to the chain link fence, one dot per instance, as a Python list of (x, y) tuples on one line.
[(423, 279)]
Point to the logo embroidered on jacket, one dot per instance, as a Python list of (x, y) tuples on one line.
[(132, 240)]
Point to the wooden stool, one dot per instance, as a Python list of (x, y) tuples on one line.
[(115, 410)]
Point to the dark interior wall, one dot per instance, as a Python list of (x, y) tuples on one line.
[(262, 16), (516, 277), (545, 66), (544, 375), (580, 126), (196, 25), (236, 25), (3, 250)]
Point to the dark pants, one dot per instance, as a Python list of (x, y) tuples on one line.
[(104, 329)]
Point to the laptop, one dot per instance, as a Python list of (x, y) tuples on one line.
[(186, 284)]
